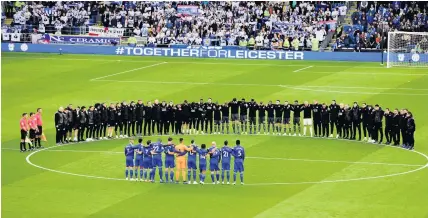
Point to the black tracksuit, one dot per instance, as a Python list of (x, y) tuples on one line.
[(139, 116), (156, 118), (148, 110), (334, 110), (164, 127), (59, 126), (90, 124), (356, 122), (325, 120), (340, 123), (410, 132), (104, 121), (125, 119), (209, 109), (178, 117), (82, 124), (388, 127), (403, 127), (200, 113), (316, 115), (193, 116), (119, 121), (132, 120), (97, 121), (347, 127), (377, 125), (366, 112)]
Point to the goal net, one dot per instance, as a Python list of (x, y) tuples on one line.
[(407, 49)]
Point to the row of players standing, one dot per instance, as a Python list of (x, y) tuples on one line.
[(137, 119)]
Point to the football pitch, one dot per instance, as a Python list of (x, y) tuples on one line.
[(284, 176)]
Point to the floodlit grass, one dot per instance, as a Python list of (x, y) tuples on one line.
[(285, 176)]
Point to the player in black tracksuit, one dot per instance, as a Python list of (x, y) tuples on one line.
[(347, 127), (82, 123), (59, 126), (104, 121), (316, 115), (119, 121), (164, 118), (278, 117), (217, 118), (287, 117), (148, 118), (200, 113), (225, 111), (111, 113), (356, 121), (177, 114), (270, 116), (97, 121), (403, 126), (252, 116), (185, 119), (262, 117), (377, 124), (171, 109), (243, 114), (193, 117), (209, 109), (325, 120), (234, 110), (396, 127), (139, 116), (297, 109), (125, 119), (132, 119), (156, 117), (388, 126), (334, 111), (340, 121), (410, 131), (90, 123), (365, 112)]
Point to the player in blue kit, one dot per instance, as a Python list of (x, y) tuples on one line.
[(138, 162), (226, 153), (191, 162), (129, 155), (148, 162), (239, 154), (157, 150), (169, 160), (203, 154), (215, 156)]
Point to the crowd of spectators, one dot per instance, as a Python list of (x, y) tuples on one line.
[(225, 23)]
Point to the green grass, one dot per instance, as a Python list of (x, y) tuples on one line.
[(315, 170)]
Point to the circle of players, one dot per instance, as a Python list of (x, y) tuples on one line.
[(121, 120), (147, 158)]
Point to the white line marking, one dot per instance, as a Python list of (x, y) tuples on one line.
[(261, 158), (302, 69), (304, 88), (254, 184), (215, 63), (153, 65)]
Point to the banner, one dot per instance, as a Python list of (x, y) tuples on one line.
[(105, 31), (94, 40), (187, 10), (209, 53)]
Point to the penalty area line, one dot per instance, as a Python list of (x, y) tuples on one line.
[(140, 68)]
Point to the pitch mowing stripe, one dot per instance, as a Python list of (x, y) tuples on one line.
[(254, 184), (213, 63), (298, 87), (127, 71)]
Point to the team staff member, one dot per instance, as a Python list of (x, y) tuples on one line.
[(125, 119), (365, 112), (225, 110), (70, 117), (325, 120), (347, 127), (76, 123), (170, 113), (178, 114), (132, 119), (340, 120), (252, 114), (396, 127), (410, 131), (287, 117), (297, 109), (403, 125), (104, 121), (59, 125), (82, 123), (316, 114), (307, 118), (139, 116), (278, 117), (234, 109), (185, 107), (217, 118), (156, 117), (193, 118), (164, 118), (243, 113), (388, 126), (97, 121), (270, 108), (356, 122), (262, 117), (24, 130), (119, 119), (39, 127), (91, 124), (334, 110), (111, 119), (66, 124), (200, 111), (377, 124), (209, 109), (148, 110)]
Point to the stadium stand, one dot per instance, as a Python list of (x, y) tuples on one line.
[(260, 25)]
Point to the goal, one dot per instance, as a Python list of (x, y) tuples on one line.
[(407, 49)]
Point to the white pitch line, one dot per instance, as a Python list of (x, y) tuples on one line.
[(153, 65), (261, 158), (302, 69)]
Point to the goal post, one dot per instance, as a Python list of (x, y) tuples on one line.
[(407, 49)]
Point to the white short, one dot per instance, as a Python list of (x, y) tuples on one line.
[(307, 122)]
